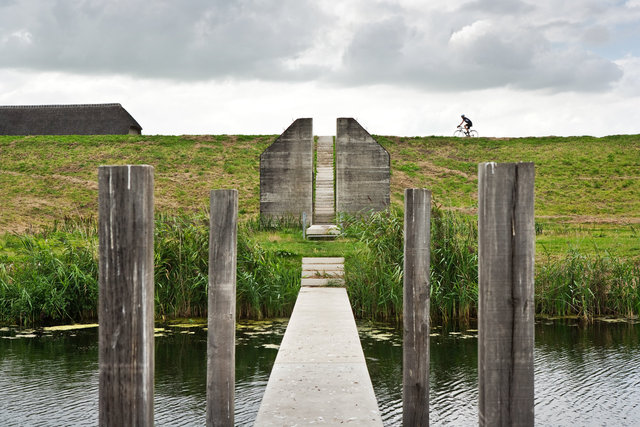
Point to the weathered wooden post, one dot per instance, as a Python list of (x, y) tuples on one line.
[(415, 351), (222, 308), (304, 225), (506, 246), (126, 355)]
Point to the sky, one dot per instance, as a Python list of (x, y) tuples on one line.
[(400, 67)]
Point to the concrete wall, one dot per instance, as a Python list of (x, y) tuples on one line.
[(362, 170), (286, 173)]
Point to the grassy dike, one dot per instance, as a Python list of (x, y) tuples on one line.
[(587, 224)]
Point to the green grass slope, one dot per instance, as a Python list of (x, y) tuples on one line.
[(44, 178), (583, 179), (587, 188)]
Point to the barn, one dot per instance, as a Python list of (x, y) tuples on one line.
[(78, 119)]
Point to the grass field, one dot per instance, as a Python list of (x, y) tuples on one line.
[(587, 189)]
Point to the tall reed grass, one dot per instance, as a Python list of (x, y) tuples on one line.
[(577, 285), (54, 281), (54, 276), (181, 265), (573, 285), (454, 265), (374, 275)]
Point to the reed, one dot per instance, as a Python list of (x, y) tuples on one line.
[(267, 282), (588, 286), (374, 274), (52, 276), (181, 260), (454, 266), (55, 281), (574, 285)]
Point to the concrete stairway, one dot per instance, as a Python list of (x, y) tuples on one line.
[(324, 211), (322, 271)]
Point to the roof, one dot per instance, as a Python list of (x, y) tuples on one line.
[(78, 119)]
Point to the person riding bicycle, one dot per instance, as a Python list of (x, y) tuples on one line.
[(467, 123)]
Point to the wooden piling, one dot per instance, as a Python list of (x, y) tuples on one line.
[(415, 354), (222, 308), (304, 225), (126, 350), (506, 246)]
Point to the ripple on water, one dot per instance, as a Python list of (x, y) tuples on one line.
[(595, 386), (47, 380)]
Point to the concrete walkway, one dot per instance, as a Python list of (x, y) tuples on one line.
[(320, 375)]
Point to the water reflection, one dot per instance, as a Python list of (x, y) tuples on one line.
[(584, 376), (588, 375), (52, 378)]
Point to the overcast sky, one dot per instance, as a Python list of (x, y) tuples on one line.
[(400, 67)]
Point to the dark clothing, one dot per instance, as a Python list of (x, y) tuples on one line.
[(467, 121)]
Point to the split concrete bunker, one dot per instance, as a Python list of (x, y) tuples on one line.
[(358, 167)]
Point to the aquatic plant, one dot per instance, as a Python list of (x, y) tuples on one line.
[(454, 265), (588, 286), (374, 272), (54, 276), (576, 284), (181, 265), (374, 275), (55, 281)]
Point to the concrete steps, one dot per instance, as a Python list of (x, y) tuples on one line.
[(323, 231), (324, 208), (323, 271)]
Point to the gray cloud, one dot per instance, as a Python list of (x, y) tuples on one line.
[(198, 39), (500, 7), (484, 44), (474, 51)]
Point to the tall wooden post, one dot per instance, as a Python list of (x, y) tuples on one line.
[(415, 352), (222, 308), (126, 359), (506, 246)]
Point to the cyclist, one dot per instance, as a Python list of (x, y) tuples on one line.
[(467, 123)]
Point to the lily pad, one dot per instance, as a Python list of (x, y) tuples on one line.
[(71, 327)]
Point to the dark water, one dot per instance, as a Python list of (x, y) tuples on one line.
[(584, 376)]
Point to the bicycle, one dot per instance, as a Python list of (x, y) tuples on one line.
[(467, 133)]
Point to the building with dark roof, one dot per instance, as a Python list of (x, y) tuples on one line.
[(81, 119)]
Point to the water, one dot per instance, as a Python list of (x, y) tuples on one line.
[(584, 376), (51, 378)]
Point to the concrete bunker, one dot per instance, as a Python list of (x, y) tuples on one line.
[(286, 173), (363, 170), (287, 170)]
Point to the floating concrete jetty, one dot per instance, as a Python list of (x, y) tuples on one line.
[(320, 375)]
